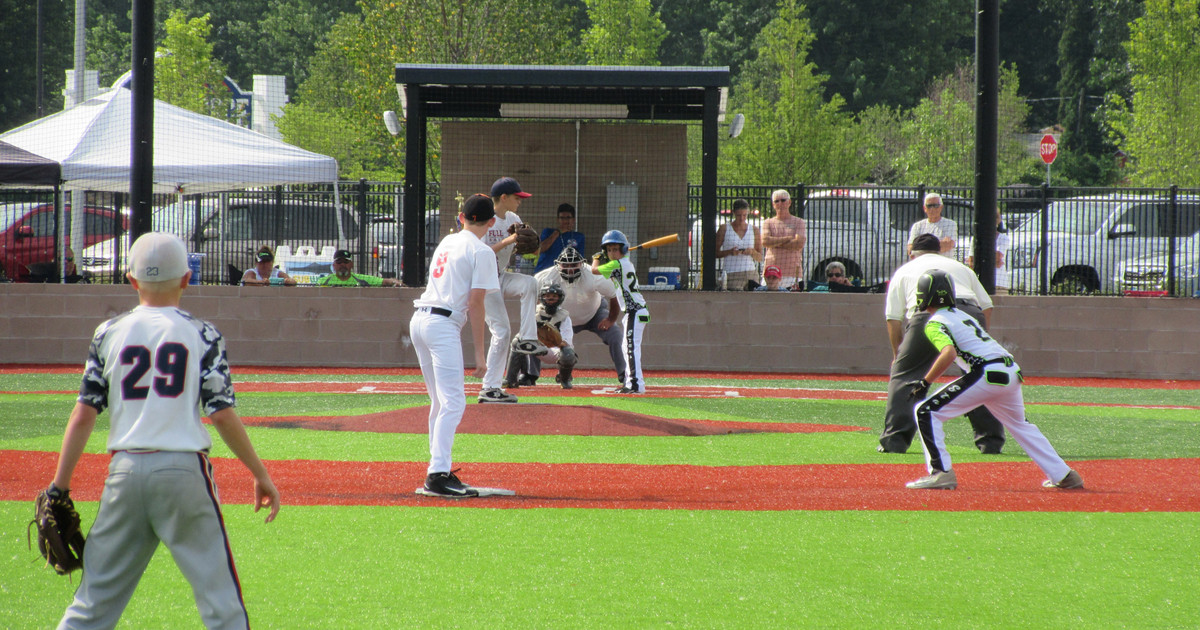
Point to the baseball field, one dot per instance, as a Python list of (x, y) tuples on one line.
[(715, 501)]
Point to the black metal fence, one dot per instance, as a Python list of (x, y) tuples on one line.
[(1068, 241), (1110, 241)]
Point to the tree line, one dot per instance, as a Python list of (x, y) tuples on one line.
[(852, 91)]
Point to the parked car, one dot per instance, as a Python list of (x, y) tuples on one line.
[(1088, 237), (866, 229), (1148, 275), (231, 238), (27, 237), (388, 250)]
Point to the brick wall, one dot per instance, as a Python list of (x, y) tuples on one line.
[(822, 333)]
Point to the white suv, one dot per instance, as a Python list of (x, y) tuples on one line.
[(1088, 237)]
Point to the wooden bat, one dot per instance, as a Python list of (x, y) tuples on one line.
[(662, 240)]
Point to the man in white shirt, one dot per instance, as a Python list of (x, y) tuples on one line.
[(912, 354), (592, 303)]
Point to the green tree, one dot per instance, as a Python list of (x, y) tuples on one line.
[(792, 133), (1159, 125), (938, 135), (882, 51), (351, 76), (18, 59), (623, 33), (185, 72)]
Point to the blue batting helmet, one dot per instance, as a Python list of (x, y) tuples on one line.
[(615, 236)]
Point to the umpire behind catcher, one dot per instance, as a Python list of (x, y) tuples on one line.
[(913, 354), (592, 303)]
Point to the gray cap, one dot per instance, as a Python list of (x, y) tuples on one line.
[(158, 257)]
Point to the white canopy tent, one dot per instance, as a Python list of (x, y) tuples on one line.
[(193, 153)]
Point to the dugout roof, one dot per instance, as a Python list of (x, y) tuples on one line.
[(643, 93)]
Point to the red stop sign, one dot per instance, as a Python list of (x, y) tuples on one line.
[(1048, 149)]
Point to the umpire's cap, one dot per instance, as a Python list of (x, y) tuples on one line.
[(158, 257), (927, 243)]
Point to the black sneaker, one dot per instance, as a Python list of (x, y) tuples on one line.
[(527, 381), (507, 384), (446, 484), (626, 390), (496, 395), (566, 383)]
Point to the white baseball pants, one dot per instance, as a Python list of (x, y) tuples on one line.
[(515, 285), (634, 326), (1005, 401), (438, 342)]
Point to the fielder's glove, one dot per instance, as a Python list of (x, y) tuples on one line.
[(527, 239), (59, 538), (919, 387), (549, 336)]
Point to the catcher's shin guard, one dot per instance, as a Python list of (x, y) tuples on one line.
[(566, 365)]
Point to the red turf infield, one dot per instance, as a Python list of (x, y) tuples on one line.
[(1171, 485)]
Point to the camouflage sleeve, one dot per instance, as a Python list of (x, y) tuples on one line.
[(94, 389), (216, 383)]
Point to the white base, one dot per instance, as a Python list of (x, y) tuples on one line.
[(483, 492)]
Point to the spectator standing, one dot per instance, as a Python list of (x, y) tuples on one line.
[(739, 245), (554, 240), (784, 236), (913, 354), (343, 274), (934, 223), (264, 271)]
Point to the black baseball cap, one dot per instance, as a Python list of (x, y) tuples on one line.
[(508, 186), (479, 208), (342, 254), (264, 255), (927, 243)]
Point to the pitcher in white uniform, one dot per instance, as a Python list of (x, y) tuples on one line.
[(154, 368)]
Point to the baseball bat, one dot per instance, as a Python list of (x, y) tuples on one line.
[(656, 242)]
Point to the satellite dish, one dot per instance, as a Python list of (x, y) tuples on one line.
[(735, 127), (393, 122)]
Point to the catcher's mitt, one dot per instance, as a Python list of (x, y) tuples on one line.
[(527, 239), (59, 538), (550, 337)]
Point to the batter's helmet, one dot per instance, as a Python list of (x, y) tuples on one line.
[(552, 289), (615, 236), (570, 264), (934, 288)]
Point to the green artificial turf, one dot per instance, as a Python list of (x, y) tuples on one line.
[(471, 567), (375, 567)]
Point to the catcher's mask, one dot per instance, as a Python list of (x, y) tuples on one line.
[(558, 294), (570, 264), (934, 288), (615, 236)]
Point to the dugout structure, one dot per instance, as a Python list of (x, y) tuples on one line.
[(610, 140)]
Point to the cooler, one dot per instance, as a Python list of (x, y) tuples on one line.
[(662, 279)]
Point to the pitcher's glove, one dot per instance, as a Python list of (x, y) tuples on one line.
[(550, 337), (59, 538), (527, 239), (919, 387)]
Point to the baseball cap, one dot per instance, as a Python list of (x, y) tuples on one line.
[(158, 257), (342, 254), (772, 272), (479, 208), (508, 186), (927, 243), (261, 256)]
